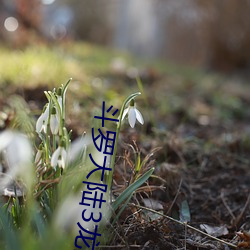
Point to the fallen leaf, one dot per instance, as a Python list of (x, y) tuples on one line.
[(152, 204), (215, 231), (245, 236)]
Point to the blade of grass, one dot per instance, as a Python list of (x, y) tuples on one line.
[(122, 209), (128, 191), (11, 239)]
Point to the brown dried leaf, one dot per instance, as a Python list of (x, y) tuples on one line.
[(245, 236)]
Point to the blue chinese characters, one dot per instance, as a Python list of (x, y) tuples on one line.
[(94, 197)]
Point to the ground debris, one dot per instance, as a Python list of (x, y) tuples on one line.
[(245, 237)]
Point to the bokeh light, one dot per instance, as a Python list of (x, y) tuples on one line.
[(11, 24), (48, 2)]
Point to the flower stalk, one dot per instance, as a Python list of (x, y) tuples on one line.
[(118, 128)]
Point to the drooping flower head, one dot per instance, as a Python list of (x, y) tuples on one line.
[(133, 114), (16, 150), (54, 121), (59, 157), (42, 122)]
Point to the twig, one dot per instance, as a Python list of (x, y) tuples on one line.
[(173, 202), (237, 220), (119, 246), (227, 207), (185, 242), (184, 224)]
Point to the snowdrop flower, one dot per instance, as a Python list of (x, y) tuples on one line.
[(42, 122), (133, 114), (59, 157), (17, 152), (69, 212), (54, 121), (78, 148)]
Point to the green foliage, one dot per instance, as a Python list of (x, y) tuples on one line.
[(59, 175), (132, 188)]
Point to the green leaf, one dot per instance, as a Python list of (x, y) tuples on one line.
[(39, 222), (185, 212), (122, 209), (11, 237), (128, 191)]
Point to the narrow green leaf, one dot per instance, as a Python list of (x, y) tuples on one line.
[(128, 191), (39, 222), (11, 237), (185, 212), (65, 87), (122, 209), (138, 163)]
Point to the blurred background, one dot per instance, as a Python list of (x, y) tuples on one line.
[(193, 60), (211, 34)]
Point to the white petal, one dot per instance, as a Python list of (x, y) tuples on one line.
[(59, 99), (54, 124), (44, 127), (39, 123), (42, 121), (5, 139), (124, 113), (64, 157), (78, 147), (139, 116), (46, 113), (19, 151), (61, 163), (132, 117), (18, 156), (55, 156)]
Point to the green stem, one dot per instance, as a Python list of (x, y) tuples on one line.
[(54, 142), (47, 140), (118, 128), (65, 87)]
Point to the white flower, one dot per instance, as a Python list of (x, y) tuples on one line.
[(17, 152), (78, 148), (69, 212), (59, 157), (54, 121), (42, 122), (59, 99), (133, 114)]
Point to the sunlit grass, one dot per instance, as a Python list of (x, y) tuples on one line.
[(180, 96), (37, 65)]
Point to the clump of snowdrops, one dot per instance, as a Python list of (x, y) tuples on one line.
[(49, 169)]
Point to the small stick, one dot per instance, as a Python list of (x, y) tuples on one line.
[(175, 198), (120, 246), (185, 224), (227, 207), (239, 217)]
